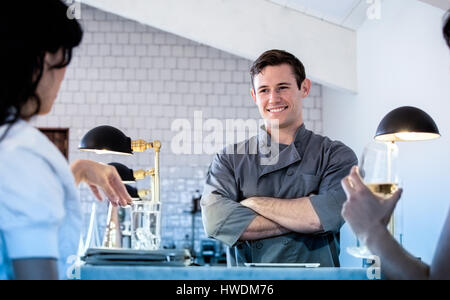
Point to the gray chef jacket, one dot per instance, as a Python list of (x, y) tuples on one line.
[(312, 165)]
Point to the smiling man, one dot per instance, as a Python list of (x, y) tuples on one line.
[(288, 211)]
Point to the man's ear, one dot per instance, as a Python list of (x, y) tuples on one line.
[(306, 87), (252, 92)]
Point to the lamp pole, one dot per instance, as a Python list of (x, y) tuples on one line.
[(156, 189), (157, 149), (390, 149)]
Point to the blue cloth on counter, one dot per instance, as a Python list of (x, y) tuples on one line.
[(89, 272), (40, 215)]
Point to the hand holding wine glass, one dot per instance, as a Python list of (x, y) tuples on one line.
[(364, 210), (371, 203)]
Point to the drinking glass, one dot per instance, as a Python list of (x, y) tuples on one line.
[(145, 225)]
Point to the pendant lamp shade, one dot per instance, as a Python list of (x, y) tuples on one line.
[(125, 173), (133, 192), (407, 123), (106, 140)]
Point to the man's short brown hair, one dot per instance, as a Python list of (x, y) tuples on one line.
[(275, 58)]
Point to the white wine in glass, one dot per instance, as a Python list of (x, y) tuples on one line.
[(385, 190)]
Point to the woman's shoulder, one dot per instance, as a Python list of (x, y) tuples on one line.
[(29, 160), (25, 140), (21, 135)]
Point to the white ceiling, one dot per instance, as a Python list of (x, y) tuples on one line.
[(442, 4), (328, 50), (347, 13)]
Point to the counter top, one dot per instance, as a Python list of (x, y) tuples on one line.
[(90, 272)]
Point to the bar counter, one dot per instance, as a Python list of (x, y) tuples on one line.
[(91, 272)]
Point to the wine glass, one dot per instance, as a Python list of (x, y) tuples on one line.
[(378, 168)]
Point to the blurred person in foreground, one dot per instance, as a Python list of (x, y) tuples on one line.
[(40, 216)]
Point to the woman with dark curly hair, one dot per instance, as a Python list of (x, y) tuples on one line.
[(39, 209)]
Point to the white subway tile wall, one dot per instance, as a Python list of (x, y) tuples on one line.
[(140, 79)]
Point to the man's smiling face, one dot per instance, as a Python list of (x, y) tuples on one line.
[(278, 96)]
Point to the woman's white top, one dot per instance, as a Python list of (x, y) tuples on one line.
[(40, 215)]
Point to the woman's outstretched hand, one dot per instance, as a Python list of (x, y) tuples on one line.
[(100, 176)]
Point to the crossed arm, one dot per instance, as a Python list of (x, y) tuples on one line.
[(225, 215), (280, 216)]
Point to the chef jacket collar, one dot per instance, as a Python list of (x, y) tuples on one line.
[(278, 160)]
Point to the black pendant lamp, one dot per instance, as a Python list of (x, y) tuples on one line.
[(106, 140), (109, 140), (407, 123)]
